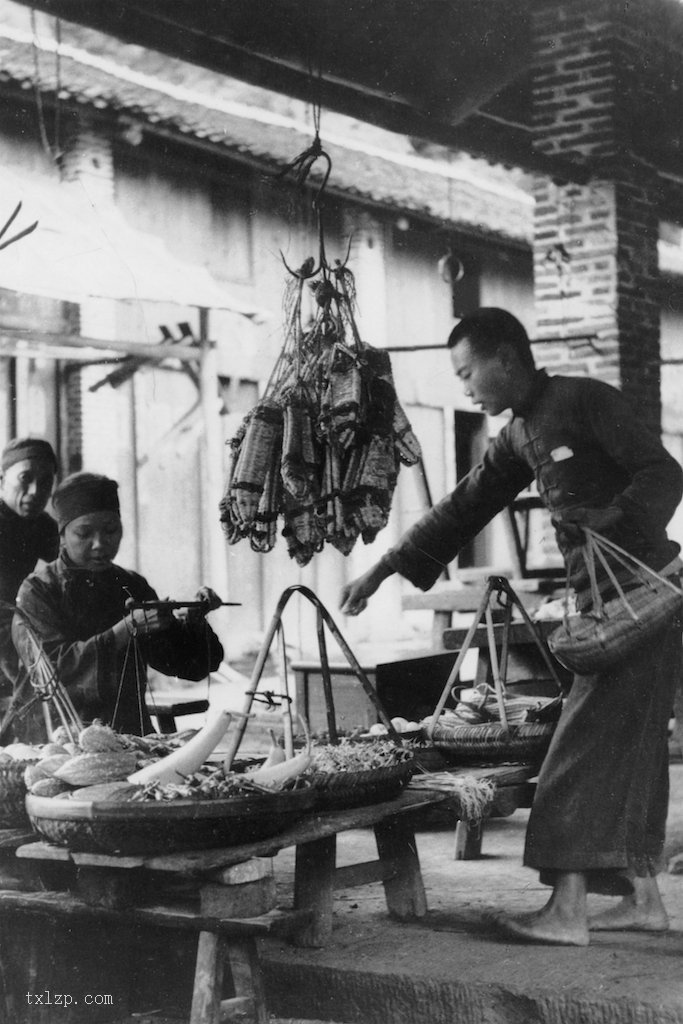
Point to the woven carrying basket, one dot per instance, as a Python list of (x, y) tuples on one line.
[(13, 794), (131, 828), (493, 742), (339, 790), (613, 630)]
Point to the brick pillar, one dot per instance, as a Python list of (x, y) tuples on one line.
[(595, 244)]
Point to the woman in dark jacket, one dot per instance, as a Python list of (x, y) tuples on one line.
[(76, 607)]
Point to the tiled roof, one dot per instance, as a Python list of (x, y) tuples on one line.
[(413, 185)]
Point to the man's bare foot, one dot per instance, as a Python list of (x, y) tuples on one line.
[(631, 914), (543, 926)]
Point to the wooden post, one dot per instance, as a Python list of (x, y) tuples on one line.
[(212, 463), (208, 979)]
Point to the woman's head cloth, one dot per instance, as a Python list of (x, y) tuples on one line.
[(82, 493)]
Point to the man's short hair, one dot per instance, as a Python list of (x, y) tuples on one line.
[(488, 328)]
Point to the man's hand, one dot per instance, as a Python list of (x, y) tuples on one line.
[(600, 520), (355, 595)]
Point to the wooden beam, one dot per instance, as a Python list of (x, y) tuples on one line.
[(16, 342)]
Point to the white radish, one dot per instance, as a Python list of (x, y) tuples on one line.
[(275, 776), (189, 758)]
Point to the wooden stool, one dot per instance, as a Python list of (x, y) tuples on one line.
[(166, 711)]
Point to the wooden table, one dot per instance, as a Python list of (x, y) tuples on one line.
[(107, 889), (316, 873)]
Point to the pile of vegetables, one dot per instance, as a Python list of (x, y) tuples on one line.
[(356, 757), (99, 761), (323, 447)]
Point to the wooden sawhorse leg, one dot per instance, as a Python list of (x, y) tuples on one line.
[(403, 884), (314, 888), (207, 1005), (467, 841)]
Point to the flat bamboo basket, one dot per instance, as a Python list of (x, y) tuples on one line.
[(13, 794), (135, 828), (492, 743), (340, 790)]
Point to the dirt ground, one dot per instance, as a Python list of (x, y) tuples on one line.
[(454, 957)]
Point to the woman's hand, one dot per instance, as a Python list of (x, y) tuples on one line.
[(210, 601), (148, 621), (140, 623), (355, 595)]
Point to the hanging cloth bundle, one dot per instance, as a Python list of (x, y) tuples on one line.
[(612, 630)]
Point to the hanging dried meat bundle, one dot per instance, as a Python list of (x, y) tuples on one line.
[(250, 499), (301, 462), (303, 529), (343, 407), (323, 448)]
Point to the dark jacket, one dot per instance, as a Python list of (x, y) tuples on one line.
[(583, 444), (23, 542), (72, 612)]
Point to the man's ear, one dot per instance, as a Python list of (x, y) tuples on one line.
[(507, 355)]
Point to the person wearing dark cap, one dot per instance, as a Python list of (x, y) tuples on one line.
[(76, 606), (27, 535), (599, 813)]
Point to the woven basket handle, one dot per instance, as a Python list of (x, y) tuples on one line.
[(597, 546), (500, 585), (235, 738)]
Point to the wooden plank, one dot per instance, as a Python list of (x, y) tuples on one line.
[(43, 851), (65, 904), (453, 639), (309, 829), (351, 875)]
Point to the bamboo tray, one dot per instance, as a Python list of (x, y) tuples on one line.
[(135, 828)]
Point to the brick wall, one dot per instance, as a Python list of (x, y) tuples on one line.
[(595, 244)]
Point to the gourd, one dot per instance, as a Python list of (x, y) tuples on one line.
[(186, 760), (105, 791), (48, 787), (91, 769), (99, 738)]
